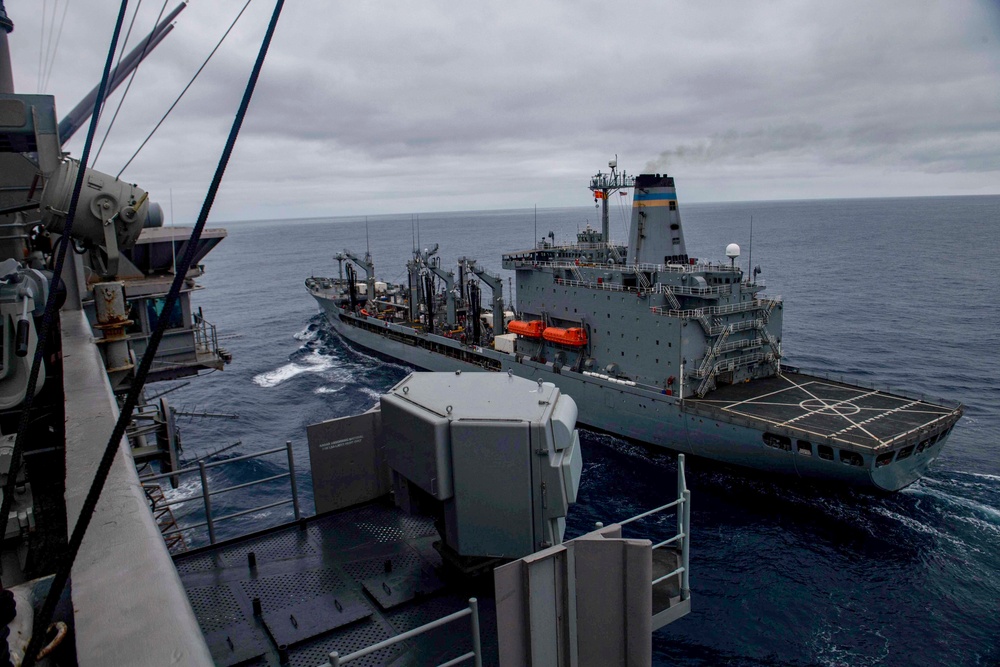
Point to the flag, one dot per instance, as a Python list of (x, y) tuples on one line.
[(598, 194)]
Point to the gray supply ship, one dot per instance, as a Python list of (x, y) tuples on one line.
[(653, 344)]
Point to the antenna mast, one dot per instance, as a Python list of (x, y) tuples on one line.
[(603, 185)]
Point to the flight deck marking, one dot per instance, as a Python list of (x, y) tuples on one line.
[(843, 416), (828, 406)]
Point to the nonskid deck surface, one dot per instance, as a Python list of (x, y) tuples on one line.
[(856, 415), (360, 559)]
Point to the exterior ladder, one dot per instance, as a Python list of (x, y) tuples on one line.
[(164, 518)]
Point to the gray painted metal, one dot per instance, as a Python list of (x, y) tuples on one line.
[(501, 453), (347, 467), (149, 621)]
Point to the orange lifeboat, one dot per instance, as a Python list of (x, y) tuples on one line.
[(575, 337), (530, 329)]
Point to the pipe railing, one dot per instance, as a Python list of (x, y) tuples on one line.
[(476, 654), (206, 336), (207, 493), (683, 534), (755, 304)]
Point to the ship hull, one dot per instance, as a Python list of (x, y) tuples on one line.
[(632, 412)]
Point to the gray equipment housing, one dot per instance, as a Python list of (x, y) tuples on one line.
[(500, 453)]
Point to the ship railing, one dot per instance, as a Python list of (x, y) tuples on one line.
[(739, 345), (523, 260), (207, 492), (730, 364), (694, 313), (612, 287), (681, 540), (475, 655), (206, 338), (692, 291), (735, 326)]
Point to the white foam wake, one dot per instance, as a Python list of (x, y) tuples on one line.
[(312, 363)]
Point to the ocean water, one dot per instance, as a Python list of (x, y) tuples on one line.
[(901, 292)]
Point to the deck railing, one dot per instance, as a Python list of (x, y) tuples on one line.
[(476, 654), (206, 492), (528, 260), (683, 535), (206, 338), (755, 304)]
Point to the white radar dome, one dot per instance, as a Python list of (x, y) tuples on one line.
[(732, 251)]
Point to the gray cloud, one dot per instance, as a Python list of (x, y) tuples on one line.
[(367, 108)]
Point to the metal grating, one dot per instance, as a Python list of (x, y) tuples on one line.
[(407, 617), (360, 635), (374, 524), (215, 606), (200, 563), (290, 543), (364, 569), (283, 590)]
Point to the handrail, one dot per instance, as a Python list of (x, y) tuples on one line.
[(207, 493), (206, 335), (683, 534), (529, 260), (754, 304), (476, 654)]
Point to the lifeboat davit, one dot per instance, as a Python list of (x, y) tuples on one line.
[(574, 337), (530, 329)]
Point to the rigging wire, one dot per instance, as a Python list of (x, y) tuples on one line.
[(55, 49), (150, 135), (125, 415), (624, 213), (131, 78), (49, 318), (41, 46), (47, 43)]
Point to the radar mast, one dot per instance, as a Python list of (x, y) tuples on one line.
[(603, 185)]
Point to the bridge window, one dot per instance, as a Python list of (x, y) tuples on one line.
[(781, 442), (851, 458), (673, 205), (825, 452), (805, 447)]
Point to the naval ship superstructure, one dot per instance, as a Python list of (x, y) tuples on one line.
[(654, 344)]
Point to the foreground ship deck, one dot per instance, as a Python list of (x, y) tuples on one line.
[(300, 569)]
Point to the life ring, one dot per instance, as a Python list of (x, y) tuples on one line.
[(364, 312)]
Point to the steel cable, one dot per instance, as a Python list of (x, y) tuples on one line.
[(125, 416), (131, 78), (150, 135)]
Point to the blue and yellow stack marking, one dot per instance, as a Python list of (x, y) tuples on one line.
[(653, 198)]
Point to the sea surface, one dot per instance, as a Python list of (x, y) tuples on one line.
[(901, 292)]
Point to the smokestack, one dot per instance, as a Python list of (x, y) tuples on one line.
[(656, 236)]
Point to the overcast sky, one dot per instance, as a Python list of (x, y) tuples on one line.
[(401, 107)]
